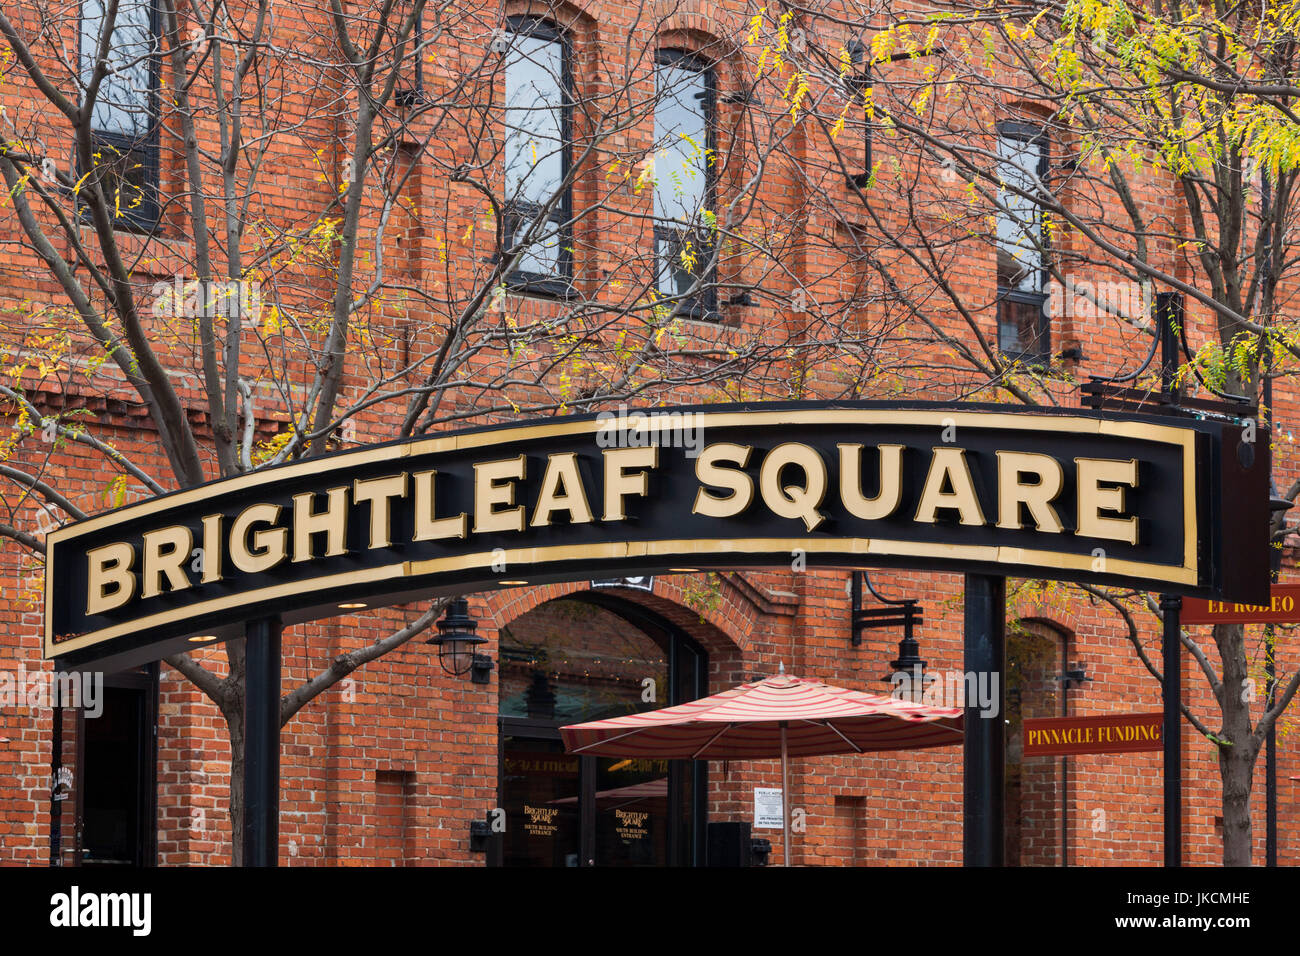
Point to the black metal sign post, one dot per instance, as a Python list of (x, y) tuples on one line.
[(1169, 310), (1171, 727), (1278, 507), (1270, 751), (262, 741), (984, 761), (56, 812)]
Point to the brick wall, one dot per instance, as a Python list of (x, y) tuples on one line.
[(392, 765)]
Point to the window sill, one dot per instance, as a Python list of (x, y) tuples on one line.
[(531, 287), (1028, 360), (697, 313), (1044, 366), (712, 320), (145, 254)]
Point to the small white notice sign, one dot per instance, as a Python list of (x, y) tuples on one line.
[(767, 808)]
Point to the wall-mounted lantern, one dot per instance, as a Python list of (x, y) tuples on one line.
[(906, 612), (456, 639)]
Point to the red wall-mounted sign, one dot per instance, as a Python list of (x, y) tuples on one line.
[(1104, 734), (1283, 609)]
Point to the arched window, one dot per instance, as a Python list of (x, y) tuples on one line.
[(589, 657), (537, 147)]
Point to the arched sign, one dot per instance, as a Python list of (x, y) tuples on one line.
[(1165, 504)]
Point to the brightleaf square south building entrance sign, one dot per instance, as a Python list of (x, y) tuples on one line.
[(1173, 505)]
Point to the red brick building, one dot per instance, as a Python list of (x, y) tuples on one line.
[(392, 765)]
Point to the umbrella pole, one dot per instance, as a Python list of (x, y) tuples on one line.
[(785, 796)]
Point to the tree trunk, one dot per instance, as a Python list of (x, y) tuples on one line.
[(1237, 748), (235, 725), (233, 711)]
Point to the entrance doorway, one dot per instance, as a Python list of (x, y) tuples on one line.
[(589, 657), (112, 779), (1036, 822)]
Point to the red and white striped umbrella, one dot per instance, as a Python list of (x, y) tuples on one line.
[(778, 716)]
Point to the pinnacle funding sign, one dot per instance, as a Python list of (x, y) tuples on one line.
[(1167, 504), (1103, 734)]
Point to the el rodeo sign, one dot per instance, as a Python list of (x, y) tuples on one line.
[(1283, 608), (1107, 734), (1169, 504)]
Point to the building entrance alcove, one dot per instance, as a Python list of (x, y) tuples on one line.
[(1037, 823), (586, 657), (104, 793)]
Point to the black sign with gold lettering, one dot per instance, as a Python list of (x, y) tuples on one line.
[(1166, 504)]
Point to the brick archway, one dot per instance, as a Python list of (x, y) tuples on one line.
[(571, 652), (723, 630), (1037, 788)]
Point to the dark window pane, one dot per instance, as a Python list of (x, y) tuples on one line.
[(1023, 330), (124, 161), (111, 781), (541, 256), (680, 255), (570, 661), (1022, 327), (127, 176), (632, 823), (539, 793)]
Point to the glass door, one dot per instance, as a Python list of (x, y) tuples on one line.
[(588, 658), (632, 826), (540, 794), (104, 806)]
